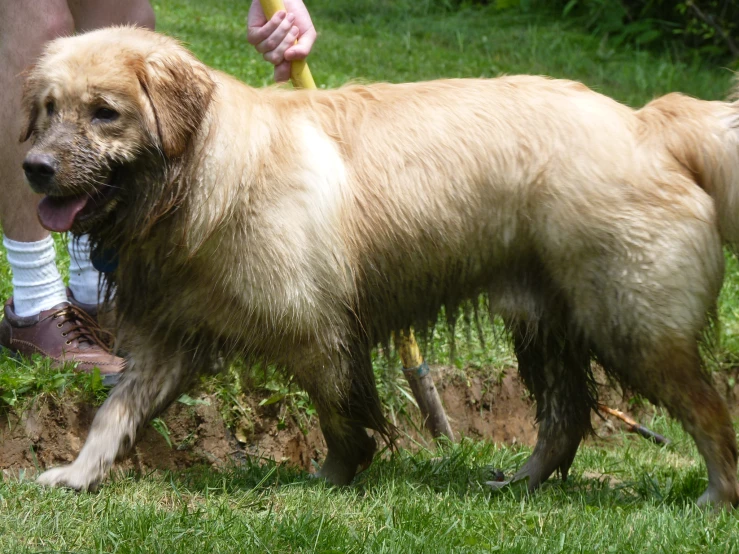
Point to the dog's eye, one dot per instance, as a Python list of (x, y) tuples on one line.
[(105, 114), (50, 108)]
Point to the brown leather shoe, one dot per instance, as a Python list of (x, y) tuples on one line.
[(63, 333)]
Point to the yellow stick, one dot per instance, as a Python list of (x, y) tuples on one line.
[(299, 73), (635, 427), (416, 372)]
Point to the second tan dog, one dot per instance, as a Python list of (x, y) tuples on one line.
[(302, 227)]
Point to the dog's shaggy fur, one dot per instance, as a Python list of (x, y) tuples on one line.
[(302, 227)]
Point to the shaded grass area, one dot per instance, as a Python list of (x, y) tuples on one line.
[(21, 380), (384, 41)]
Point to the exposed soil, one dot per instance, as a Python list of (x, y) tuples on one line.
[(51, 432)]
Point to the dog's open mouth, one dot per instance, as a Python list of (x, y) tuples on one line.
[(59, 213)]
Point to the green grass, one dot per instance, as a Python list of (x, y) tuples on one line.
[(422, 502), (371, 40), (21, 380), (624, 495)]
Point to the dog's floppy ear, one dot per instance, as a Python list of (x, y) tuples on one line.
[(179, 89), (29, 105)]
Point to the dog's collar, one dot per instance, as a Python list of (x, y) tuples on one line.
[(104, 260)]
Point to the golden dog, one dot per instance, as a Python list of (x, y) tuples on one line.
[(301, 227)]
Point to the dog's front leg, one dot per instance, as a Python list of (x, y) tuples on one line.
[(150, 384)]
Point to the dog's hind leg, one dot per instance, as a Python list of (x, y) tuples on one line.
[(345, 411), (148, 386), (668, 372), (556, 369), (645, 322)]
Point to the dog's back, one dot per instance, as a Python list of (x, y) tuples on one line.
[(426, 194)]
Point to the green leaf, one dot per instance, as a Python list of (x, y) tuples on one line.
[(9, 397), (162, 429), (569, 7), (272, 399), (188, 400)]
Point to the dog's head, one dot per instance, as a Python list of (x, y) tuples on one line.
[(100, 106)]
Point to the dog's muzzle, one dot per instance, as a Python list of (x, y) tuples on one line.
[(40, 170)]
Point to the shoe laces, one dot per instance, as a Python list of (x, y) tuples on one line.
[(83, 328)]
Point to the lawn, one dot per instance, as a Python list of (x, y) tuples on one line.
[(624, 494), (624, 497)]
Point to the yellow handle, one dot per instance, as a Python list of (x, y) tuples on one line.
[(299, 72), (408, 350)]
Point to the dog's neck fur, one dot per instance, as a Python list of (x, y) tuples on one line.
[(702, 138)]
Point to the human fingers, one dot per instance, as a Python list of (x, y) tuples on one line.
[(260, 30), (282, 72), (277, 54), (303, 47)]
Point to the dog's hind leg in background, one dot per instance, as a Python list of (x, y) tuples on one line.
[(556, 370)]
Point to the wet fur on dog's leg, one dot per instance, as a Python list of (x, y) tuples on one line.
[(148, 387), (556, 369), (344, 422), (670, 374), (350, 449)]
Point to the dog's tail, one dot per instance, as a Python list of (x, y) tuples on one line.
[(703, 138)]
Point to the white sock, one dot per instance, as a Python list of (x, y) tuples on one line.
[(37, 284), (84, 279)]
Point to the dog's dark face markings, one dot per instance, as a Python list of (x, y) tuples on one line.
[(93, 120), (82, 137)]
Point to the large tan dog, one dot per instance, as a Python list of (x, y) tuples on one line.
[(302, 227)]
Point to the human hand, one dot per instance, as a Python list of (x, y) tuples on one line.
[(275, 39)]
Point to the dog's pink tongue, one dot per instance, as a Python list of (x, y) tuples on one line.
[(57, 214)]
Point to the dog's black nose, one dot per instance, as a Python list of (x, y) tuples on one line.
[(40, 170)]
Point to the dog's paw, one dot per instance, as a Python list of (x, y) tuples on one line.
[(68, 477), (498, 485), (515, 483), (717, 499)]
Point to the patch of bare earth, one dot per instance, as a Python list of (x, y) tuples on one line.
[(51, 432)]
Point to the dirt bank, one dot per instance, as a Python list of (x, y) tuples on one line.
[(51, 432)]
